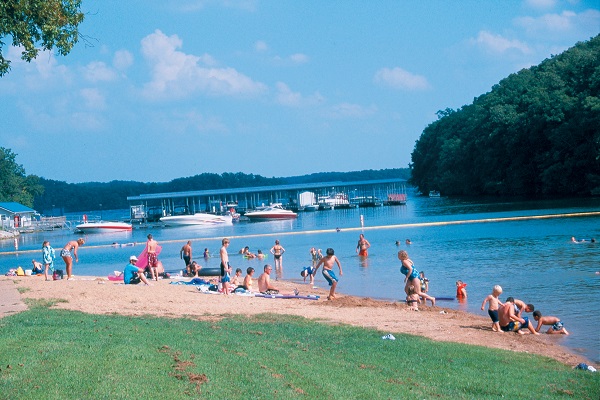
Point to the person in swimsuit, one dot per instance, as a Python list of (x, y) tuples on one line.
[(510, 321), (424, 282), (277, 252), (328, 273), (412, 299), (264, 283), (412, 276), (225, 267), (67, 254), (151, 246), (494, 303), (556, 324), (186, 255), (363, 246)]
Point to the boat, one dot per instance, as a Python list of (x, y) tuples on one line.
[(396, 199), (366, 201), (336, 200), (311, 207), (273, 212), (103, 227), (434, 193), (197, 219)]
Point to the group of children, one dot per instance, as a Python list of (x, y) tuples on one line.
[(494, 304)]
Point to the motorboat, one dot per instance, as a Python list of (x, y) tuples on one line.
[(103, 227), (197, 219), (335, 200), (366, 201), (311, 207), (434, 193), (273, 212)]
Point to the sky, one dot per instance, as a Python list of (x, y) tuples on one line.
[(159, 90)]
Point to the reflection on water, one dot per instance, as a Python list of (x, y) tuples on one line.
[(532, 260)]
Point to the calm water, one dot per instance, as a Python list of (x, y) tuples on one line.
[(532, 260)]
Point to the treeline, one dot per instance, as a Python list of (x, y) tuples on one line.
[(536, 133), (73, 197)]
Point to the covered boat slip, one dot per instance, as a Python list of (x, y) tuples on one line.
[(222, 200)]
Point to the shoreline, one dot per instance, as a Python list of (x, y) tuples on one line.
[(98, 295)]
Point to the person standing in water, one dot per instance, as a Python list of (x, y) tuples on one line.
[(363, 246), (277, 252), (412, 276)]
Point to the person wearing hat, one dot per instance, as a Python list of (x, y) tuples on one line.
[(132, 274)]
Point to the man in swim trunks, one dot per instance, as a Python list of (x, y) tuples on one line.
[(151, 246), (363, 246), (225, 267), (328, 273), (264, 283), (186, 255), (510, 321)]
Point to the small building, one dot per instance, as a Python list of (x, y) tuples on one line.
[(15, 215)]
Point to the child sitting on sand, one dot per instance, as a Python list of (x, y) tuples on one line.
[(236, 279), (494, 303), (412, 299), (557, 325)]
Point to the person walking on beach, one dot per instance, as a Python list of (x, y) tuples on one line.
[(151, 247), (494, 304), (186, 255), (225, 267), (328, 273), (67, 254), (277, 252), (48, 257), (412, 276), (363, 246)]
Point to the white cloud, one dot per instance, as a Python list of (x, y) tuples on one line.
[(399, 78), (122, 59), (498, 44), (566, 22), (197, 5), (261, 46), (541, 4), (93, 98), (97, 71), (345, 110), (299, 58), (286, 97), (176, 74)]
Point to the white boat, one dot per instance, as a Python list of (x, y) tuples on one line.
[(273, 212), (366, 201), (103, 227), (434, 193), (336, 200), (197, 219)]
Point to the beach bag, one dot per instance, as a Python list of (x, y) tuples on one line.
[(20, 272), (57, 274)]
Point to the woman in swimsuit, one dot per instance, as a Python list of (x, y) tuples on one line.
[(67, 257), (277, 252), (412, 276)]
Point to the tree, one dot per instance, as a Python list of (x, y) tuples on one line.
[(45, 23), (14, 184)]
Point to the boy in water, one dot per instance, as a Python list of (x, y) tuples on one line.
[(557, 325), (494, 303), (328, 273), (461, 291)]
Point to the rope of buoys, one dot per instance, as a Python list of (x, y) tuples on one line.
[(319, 231)]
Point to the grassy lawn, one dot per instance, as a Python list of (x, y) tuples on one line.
[(52, 354)]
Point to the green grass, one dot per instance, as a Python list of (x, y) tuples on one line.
[(52, 354)]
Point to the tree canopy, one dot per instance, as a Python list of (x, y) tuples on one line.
[(45, 23), (536, 133), (14, 184)]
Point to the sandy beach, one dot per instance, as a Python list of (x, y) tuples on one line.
[(96, 295)]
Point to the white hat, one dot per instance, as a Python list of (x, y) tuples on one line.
[(133, 258)]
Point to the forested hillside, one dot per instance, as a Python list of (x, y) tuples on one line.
[(69, 197), (536, 133)]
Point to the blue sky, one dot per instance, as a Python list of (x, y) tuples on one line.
[(167, 89)]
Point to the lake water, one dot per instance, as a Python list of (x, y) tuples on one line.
[(532, 259)]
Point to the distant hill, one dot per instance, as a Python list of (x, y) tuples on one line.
[(537, 133), (73, 197)]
